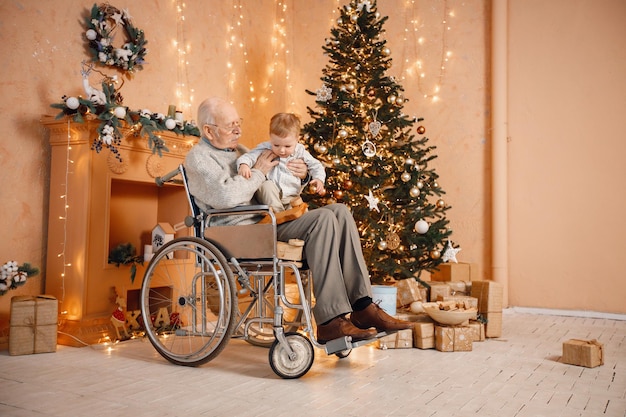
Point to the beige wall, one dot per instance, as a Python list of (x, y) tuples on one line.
[(567, 107), (566, 97)]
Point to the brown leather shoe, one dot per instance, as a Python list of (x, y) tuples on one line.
[(340, 327), (374, 316)]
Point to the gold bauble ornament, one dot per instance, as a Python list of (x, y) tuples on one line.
[(336, 161), (358, 169), (382, 245), (399, 101), (391, 99), (410, 161), (322, 149), (421, 130), (347, 184), (393, 241), (338, 194), (414, 192), (342, 134), (441, 203), (386, 51), (435, 254), (406, 177), (420, 184)]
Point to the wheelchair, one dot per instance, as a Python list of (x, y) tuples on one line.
[(227, 282)]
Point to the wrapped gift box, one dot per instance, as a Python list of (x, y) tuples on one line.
[(478, 331), (453, 338), (33, 324), (587, 353), (408, 291), (454, 272), (424, 335), (401, 339), (489, 294), (439, 289), (460, 287), (493, 326)]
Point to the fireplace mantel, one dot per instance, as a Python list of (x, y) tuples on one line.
[(108, 202)]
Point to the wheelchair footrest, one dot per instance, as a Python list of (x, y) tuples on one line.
[(346, 343)]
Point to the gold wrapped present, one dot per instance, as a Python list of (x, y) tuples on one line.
[(493, 326), (489, 294), (439, 289), (478, 331), (408, 291), (33, 324), (424, 335), (401, 339), (454, 272), (453, 338), (587, 353)]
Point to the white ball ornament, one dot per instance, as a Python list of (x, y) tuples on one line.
[(382, 245), (91, 34), (120, 112), (72, 103), (414, 192), (358, 169), (406, 177), (170, 124), (421, 226)]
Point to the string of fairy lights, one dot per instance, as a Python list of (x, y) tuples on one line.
[(278, 74), (426, 27), (412, 64), (66, 206), (184, 92)]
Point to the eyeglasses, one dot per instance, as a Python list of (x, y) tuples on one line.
[(229, 129)]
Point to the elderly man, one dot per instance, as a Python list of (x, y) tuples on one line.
[(332, 247)]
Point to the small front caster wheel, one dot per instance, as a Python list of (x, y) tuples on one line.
[(291, 368)]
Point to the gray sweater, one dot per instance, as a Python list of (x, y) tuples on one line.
[(214, 182)]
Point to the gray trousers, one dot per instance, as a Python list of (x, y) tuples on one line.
[(333, 251)]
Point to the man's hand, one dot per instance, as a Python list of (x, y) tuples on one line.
[(266, 161), (298, 168)]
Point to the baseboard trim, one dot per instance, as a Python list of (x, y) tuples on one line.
[(569, 313)]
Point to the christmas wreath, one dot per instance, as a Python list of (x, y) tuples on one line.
[(102, 25)]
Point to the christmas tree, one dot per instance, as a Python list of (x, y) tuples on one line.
[(376, 160)]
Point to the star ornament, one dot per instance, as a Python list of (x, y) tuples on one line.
[(373, 201), (364, 3), (450, 253)]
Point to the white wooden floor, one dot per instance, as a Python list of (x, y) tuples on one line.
[(518, 374)]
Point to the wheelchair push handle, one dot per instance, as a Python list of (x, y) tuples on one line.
[(168, 178)]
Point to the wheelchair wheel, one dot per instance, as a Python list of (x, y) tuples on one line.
[(291, 368), (188, 301)]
